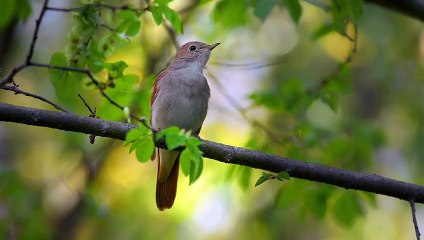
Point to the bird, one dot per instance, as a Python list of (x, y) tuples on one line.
[(179, 97)]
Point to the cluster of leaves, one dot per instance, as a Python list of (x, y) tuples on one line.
[(88, 48), (97, 33), (160, 10), (342, 12), (191, 161)]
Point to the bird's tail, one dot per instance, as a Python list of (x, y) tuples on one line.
[(166, 186)]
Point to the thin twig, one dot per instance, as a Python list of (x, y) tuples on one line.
[(87, 106), (98, 84), (113, 8), (253, 65), (36, 30), (347, 60), (16, 90), (64, 68), (11, 75), (173, 36), (414, 218)]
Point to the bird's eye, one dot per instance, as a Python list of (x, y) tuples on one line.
[(192, 48)]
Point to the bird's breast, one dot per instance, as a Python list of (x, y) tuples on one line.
[(182, 103)]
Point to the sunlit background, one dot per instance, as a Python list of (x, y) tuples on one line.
[(56, 184)]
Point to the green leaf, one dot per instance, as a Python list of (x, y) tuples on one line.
[(133, 135), (141, 141), (174, 140), (130, 24), (144, 148), (169, 130), (173, 18), (157, 14), (347, 208), (57, 59), (23, 10), (317, 201), (283, 176), (230, 13), (245, 176), (356, 9), (67, 87), (174, 137), (116, 69), (185, 161), (195, 168), (263, 178), (193, 142), (323, 30), (295, 9), (7, 12), (331, 100), (262, 8), (289, 195), (133, 28)]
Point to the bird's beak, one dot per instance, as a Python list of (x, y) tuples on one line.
[(212, 46)]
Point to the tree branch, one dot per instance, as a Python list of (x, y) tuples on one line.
[(412, 8), (223, 153)]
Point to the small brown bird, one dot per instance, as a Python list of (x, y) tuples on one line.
[(179, 98)]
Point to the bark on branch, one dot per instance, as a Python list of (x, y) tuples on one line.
[(223, 153)]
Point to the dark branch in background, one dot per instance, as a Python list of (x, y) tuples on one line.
[(15, 70), (110, 7), (92, 112), (16, 90), (412, 8), (223, 153), (414, 218), (252, 65), (36, 30)]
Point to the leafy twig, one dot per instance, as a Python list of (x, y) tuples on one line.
[(348, 58)]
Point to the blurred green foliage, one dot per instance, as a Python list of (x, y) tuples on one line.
[(13, 11), (338, 111)]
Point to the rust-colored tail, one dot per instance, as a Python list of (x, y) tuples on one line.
[(167, 190)]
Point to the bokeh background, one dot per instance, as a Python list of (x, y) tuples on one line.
[(55, 184)]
